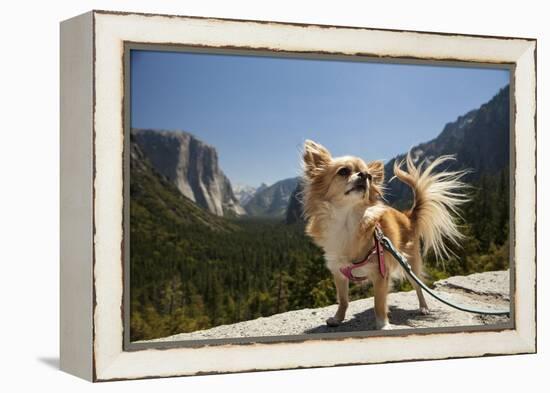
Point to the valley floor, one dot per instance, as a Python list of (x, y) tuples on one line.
[(488, 290)]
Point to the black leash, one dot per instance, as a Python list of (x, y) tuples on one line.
[(387, 244)]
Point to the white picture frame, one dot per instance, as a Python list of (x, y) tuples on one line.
[(92, 193)]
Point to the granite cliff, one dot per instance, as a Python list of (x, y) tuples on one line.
[(192, 166)]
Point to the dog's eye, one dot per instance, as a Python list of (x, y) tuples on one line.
[(344, 172)]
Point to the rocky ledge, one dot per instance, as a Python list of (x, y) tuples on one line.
[(489, 290)]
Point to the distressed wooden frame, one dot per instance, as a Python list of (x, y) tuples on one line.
[(92, 193)]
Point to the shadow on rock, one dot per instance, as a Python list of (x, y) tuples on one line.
[(365, 320)]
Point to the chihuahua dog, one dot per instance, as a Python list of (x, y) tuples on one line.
[(343, 204)]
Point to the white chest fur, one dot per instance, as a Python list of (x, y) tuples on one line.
[(341, 230), (340, 239)]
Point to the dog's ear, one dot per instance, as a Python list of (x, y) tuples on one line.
[(376, 170), (315, 158)]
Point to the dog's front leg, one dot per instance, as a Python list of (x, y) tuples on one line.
[(342, 289), (381, 287), (370, 217)]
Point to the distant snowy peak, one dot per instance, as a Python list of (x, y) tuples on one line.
[(244, 193), (262, 187), (271, 201)]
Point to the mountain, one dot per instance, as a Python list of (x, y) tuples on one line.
[(294, 209), (479, 139), (245, 193), (157, 204), (192, 166), (272, 201)]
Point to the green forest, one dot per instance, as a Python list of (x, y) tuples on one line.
[(191, 270)]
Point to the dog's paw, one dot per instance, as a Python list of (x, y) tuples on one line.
[(366, 225), (333, 322), (371, 217), (383, 325), (424, 310)]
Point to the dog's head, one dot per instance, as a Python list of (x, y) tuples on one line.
[(339, 181)]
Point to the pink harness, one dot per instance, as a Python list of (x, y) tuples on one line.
[(377, 249)]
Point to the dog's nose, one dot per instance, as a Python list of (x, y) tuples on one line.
[(362, 175)]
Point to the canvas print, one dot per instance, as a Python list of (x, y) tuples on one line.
[(262, 190)]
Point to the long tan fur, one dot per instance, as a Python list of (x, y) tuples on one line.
[(341, 218), (437, 197)]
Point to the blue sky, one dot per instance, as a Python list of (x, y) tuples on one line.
[(257, 111)]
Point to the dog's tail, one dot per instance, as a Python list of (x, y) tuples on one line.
[(437, 198)]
